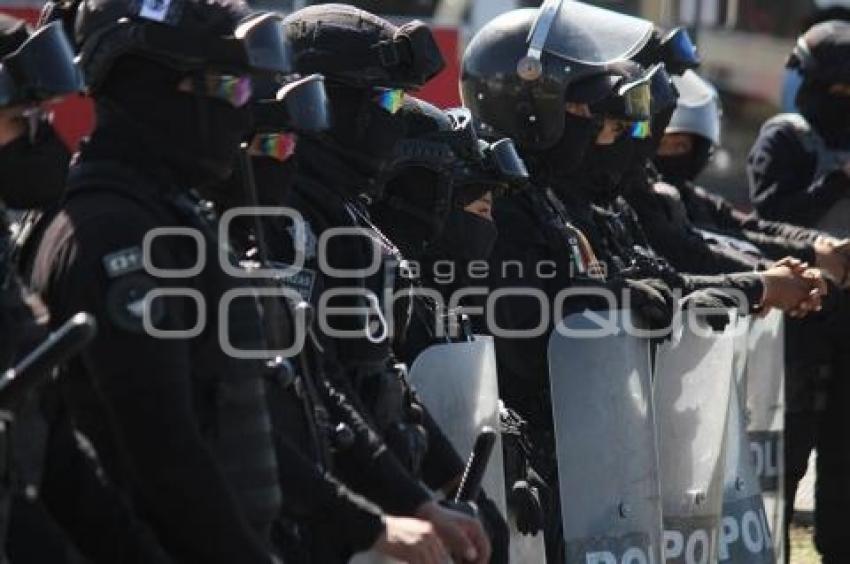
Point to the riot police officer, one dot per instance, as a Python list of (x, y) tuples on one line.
[(437, 207), (798, 173), (367, 63), (317, 430), (180, 425)]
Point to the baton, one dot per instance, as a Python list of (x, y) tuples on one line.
[(58, 347), (473, 474)]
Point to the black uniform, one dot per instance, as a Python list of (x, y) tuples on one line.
[(177, 430), (791, 181)]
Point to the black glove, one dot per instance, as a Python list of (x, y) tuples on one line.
[(496, 527), (652, 300), (712, 305), (524, 503)]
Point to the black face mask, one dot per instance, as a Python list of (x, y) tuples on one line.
[(466, 237), (363, 129), (34, 172), (557, 163), (828, 114), (685, 168), (196, 136), (273, 180), (601, 172)]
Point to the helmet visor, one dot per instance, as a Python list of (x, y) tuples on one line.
[(265, 43), (587, 34), (42, 68), (300, 106), (506, 161)]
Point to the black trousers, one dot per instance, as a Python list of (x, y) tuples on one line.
[(818, 417)]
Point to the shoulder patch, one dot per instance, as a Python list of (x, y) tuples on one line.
[(123, 262), (125, 303)]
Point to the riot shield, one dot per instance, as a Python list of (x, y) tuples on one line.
[(741, 348), (459, 385), (692, 384), (744, 532), (836, 221), (605, 441), (765, 401)]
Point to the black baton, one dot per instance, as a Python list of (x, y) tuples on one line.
[(58, 347), (473, 474)]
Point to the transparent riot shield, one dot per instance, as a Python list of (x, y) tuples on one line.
[(457, 383), (745, 536), (605, 441), (765, 401), (693, 379)]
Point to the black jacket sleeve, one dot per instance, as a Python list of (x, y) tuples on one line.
[(366, 465), (134, 394), (782, 187)]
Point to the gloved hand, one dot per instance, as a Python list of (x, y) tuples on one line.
[(712, 305), (652, 300), (496, 528), (524, 504)]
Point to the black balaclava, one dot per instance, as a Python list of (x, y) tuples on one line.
[(273, 180), (196, 136), (466, 237), (34, 170), (686, 168), (599, 176), (363, 134), (552, 166), (828, 114)]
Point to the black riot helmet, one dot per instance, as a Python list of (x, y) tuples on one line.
[(522, 67), (460, 165), (37, 67), (441, 167), (368, 64), (185, 35), (359, 49), (822, 53)]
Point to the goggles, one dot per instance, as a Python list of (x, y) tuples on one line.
[(301, 105), (640, 130), (42, 68), (502, 156), (636, 99), (389, 99), (278, 146), (235, 90)]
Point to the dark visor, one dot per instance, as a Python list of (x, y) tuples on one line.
[(265, 43), (503, 156), (40, 69), (258, 45), (301, 106)]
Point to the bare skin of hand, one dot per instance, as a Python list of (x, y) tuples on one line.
[(462, 535), (833, 257), (12, 124), (411, 540), (792, 287)]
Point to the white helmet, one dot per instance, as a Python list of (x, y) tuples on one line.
[(698, 108)]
